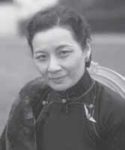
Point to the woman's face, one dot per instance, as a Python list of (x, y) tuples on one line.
[(59, 57)]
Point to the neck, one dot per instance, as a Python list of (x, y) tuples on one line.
[(78, 89)]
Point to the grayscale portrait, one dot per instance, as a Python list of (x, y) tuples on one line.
[(62, 74)]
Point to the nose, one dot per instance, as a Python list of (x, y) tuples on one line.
[(54, 65)]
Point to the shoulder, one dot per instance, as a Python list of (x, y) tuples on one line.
[(33, 87), (110, 116), (111, 106), (21, 117), (109, 95), (29, 96)]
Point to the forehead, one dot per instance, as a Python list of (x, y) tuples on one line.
[(55, 35)]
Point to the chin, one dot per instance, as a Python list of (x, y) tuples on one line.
[(59, 87)]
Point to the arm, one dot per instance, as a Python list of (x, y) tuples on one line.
[(19, 131), (3, 137), (2, 141), (116, 140), (112, 120)]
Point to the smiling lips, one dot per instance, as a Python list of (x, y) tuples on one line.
[(57, 79)]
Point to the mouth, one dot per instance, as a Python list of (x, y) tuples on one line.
[(57, 79)]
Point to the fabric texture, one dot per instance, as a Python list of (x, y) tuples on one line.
[(87, 116)]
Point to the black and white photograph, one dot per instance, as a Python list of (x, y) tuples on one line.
[(62, 75)]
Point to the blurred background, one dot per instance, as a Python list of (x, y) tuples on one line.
[(107, 21)]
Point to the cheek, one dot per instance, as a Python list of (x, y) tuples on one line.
[(77, 64), (42, 68), (76, 69)]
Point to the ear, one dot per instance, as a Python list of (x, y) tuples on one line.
[(88, 54)]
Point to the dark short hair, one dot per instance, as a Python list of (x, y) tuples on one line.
[(59, 16)]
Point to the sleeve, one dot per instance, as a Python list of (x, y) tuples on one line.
[(116, 140), (2, 141), (19, 131), (112, 124), (3, 137)]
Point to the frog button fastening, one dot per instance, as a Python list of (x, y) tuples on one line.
[(44, 102), (64, 101)]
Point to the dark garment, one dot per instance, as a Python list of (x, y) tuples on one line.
[(87, 116), (65, 125)]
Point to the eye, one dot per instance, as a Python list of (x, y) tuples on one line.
[(64, 53), (41, 57)]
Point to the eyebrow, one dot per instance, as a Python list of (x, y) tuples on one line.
[(39, 52), (58, 48), (62, 46)]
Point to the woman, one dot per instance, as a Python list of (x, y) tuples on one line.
[(64, 109)]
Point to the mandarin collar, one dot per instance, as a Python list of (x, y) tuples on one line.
[(78, 89)]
